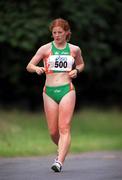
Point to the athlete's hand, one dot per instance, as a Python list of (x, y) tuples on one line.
[(73, 73), (40, 70)]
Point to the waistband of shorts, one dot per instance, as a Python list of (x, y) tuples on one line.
[(64, 85)]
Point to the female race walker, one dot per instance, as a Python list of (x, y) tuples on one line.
[(59, 58)]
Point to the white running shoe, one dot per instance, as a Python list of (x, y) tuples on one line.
[(57, 166)]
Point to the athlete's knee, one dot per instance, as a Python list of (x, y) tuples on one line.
[(55, 136), (64, 129), (54, 133)]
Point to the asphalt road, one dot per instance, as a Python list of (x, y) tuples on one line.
[(85, 166)]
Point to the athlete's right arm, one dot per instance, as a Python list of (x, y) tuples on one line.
[(32, 65)]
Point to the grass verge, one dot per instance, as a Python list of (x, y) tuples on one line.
[(26, 134)]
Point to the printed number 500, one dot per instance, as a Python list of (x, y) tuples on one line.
[(61, 64)]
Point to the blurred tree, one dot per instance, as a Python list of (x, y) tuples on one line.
[(23, 27), (96, 27)]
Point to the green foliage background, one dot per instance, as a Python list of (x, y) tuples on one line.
[(96, 27)]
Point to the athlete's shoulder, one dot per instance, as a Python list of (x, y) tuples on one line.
[(44, 48), (74, 48)]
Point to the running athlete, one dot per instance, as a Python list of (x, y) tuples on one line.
[(62, 62)]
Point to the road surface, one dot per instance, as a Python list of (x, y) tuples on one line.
[(84, 166)]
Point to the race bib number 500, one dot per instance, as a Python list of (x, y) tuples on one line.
[(60, 62)]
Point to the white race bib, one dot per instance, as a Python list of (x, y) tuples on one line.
[(60, 62)]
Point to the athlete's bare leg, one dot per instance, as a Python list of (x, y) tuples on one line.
[(51, 111), (66, 109), (59, 118)]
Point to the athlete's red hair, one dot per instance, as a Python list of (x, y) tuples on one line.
[(63, 24)]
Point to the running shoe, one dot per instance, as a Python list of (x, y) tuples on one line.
[(57, 166)]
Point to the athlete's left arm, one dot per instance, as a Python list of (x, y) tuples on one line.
[(79, 63)]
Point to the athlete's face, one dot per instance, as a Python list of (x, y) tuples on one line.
[(59, 34)]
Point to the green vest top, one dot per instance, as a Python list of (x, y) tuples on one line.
[(56, 51), (60, 60)]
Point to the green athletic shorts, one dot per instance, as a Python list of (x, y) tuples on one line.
[(58, 92)]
